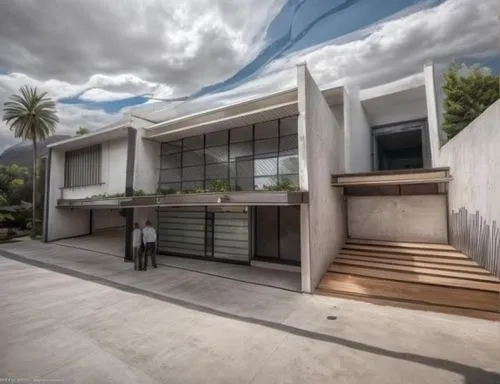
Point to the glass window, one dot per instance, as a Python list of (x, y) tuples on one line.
[(288, 126), (170, 187), (264, 181), (241, 150), (266, 146), (266, 166), (216, 154), (292, 179), (242, 184), (190, 185), (192, 158), (241, 134), (243, 168), (193, 173), (171, 147), (216, 138), (217, 171), (171, 161), (195, 142), (289, 143), (266, 130), (170, 175), (288, 164)]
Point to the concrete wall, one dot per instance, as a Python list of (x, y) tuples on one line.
[(322, 220), (107, 218), (62, 223), (357, 134), (113, 168), (474, 194), (147, 164), (405, 218), (393, 113), (432, 113)]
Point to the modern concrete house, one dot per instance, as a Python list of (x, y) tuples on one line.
[(346, 187)]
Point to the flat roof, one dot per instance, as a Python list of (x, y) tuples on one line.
[(92, 138)]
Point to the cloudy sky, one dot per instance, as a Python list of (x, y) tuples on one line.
[(98, 58)]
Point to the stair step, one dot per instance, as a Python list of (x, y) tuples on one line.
[(430, 259), (434, 246), (410, 304), (415, 278), (403, 251), (345, 258), (414, 269), (417, 292)]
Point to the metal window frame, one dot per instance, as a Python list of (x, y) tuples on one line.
[(82, 167)]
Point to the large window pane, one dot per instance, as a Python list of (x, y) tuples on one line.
[(289, 143), (288, 126), (170, 175), (193, 173), (190, 185), (170, 187), (243, 168), (171, 147), (264, 181), (216, 138), (241, 134), (195, 142), (266, 146), (216, 154), (266, 130), (290, 179), (241, 150), (242, 184), (217, 171), (193, 158), (266, 166), (288, 164), (171, 161)]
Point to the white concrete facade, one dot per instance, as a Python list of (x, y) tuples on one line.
[(334, 137)]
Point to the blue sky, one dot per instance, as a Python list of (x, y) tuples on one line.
[(216, 49)]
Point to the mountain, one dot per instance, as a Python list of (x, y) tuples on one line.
[(21, 154)]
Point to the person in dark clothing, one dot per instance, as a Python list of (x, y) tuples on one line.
[(137, 247)]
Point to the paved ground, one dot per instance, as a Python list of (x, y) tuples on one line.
[(97, 330)]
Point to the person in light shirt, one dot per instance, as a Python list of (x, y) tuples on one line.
[(149, 240), (136, 247)]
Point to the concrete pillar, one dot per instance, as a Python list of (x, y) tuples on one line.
[(129, 191)]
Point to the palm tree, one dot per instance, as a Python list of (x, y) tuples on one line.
[(32, 116), (82, 131)]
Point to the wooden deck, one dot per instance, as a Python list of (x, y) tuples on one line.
[(433, 277)]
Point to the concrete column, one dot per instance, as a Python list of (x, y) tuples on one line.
[(129, 191), (432, 112)]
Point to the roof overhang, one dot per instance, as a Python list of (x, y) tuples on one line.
[(256, 198), (92, 138), (278, 105)]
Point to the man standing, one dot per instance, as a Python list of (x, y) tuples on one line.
[(149, 239), (136, 247)]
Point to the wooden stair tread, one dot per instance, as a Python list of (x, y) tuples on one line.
[(415, 278), (410, 304), (424, 264), (424, 293), (434, 246), (405, 251), (415, 270), (436, 259)]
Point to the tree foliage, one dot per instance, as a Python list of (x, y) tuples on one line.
[(12, 181), (82, 131), (467, 96), (32, 116)]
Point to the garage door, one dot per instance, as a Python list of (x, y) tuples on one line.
[(202, 232)]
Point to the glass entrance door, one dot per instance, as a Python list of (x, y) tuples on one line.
[(277, 234)]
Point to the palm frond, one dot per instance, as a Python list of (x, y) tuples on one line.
[(30, 115)]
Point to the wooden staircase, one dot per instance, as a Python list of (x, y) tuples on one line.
[(433, 277)]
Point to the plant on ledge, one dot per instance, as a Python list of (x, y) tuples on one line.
[(106, 196), (283, 185), (166, 191), (196, 189), (140, 192), (219, 186)]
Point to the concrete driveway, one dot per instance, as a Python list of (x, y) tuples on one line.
[(61, 324)]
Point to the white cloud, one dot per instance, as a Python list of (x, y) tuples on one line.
[(99, 95)]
